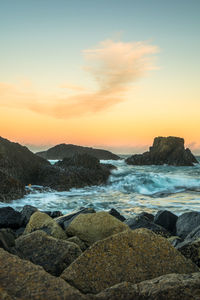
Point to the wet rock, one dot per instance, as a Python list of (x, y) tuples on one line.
[(147, 215), (132, 256), (174, 240), (87, 169), (113, 212), (53, 214), (194, 234), (186, 223), (9, 218), (141, 221), (10, 188), (171, 286), (93, 227), (67, 150), (7, 238), (167, 220), (76, 240), (190, 249), (65, 220), (26, 213), (41, 221), (165, 150), (52, 254), (24, 280)]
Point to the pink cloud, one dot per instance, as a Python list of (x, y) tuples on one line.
[(115, 66)]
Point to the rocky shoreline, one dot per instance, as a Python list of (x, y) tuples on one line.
[(98, 255)]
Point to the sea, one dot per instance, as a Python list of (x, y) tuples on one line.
[(130, 190)]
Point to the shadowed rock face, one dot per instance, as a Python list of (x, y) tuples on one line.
[(20, 163), (165, 150), (68, 150), (20, 167)]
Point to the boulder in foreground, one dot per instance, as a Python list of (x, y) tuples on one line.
[(93, 227), (131, 256), (166, 287), (41, 221), (165, 150), (24, 280), (54, 255)]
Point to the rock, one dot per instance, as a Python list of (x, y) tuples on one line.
[(113, 212), (7, 238), (9, 218), (52, 254), (167, 220), (166, 287), (147, 215), (41, 221), (76, 240), (141, 221), (26, 213), (20, 163), (65, 220), (132, 256), (67, 150), (186, 223), (10, 188), (53, 214), (191, 250), (194, 234), (165, 150), (174, 240), (93, 227), (24, 280), (4, 295), (88, 169), (19, 231), (80, 160)]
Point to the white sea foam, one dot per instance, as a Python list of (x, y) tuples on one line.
[(130, 189)]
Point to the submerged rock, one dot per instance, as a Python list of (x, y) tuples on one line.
[(166, 287), (54, 255), (67, 150), (24, 280), (93, 227), (41, 221), (131, 256), (165, 150)]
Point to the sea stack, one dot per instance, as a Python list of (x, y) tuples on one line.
[(165, 150)]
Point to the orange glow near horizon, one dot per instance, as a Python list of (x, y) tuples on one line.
[(113, 114)]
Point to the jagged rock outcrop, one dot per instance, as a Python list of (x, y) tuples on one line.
[(165, 150), (19, 162), (68, 150), (20, 167)]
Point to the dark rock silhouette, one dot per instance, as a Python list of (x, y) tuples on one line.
[(165, 150), (20, 167), (19, 162), (67, 150)]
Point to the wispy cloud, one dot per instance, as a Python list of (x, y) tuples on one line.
[(115, 66)]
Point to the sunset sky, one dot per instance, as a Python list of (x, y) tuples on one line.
[(110, 74)]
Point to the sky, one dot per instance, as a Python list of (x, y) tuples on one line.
[(109, 74)]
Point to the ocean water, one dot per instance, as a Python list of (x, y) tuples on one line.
[(130, 190)]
